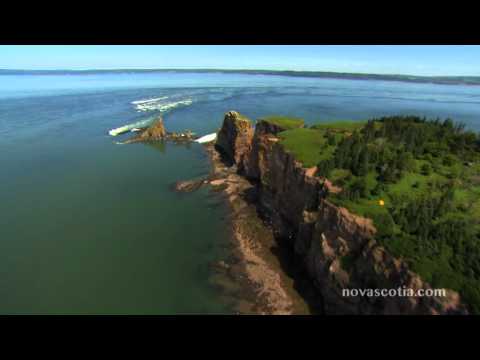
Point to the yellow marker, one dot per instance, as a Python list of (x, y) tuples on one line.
[(381, 202)]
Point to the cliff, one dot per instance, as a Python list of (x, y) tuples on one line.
[(235, 138), (337, 248)]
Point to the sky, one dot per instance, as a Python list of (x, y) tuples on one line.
[(426, 60)]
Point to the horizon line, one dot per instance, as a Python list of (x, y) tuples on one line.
[(237, 70)]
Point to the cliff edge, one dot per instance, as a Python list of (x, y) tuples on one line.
[(337, 248)]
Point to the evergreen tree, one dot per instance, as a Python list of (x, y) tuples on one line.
[(363, 162), (426, 169)]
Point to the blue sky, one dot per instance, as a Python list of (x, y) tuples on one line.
[(414, 60)]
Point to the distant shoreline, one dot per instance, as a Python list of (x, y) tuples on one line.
[(442, 80)]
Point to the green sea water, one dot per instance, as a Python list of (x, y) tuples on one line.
[(99, 238)]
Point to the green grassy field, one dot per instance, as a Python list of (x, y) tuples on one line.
[(309, 146)]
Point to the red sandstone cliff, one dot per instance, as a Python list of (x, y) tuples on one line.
[(321, 234), (235, 138)]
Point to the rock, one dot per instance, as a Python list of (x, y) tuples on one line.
[(264, 127), (223, 264), (220, 266), (188, 185), (217, 182), (156, 131), (234, 138), (186, 136)]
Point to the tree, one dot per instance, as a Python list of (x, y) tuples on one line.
[(331, 140), (449, 160), (363, 162), (359, 187), (324, 168), (409, 162), (426, 169), (385, 225)]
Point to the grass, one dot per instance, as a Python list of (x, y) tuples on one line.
[(243, 117), (475, 210), (309, 146), (413, 185), (337, 176), (368, 208), (285, 122)]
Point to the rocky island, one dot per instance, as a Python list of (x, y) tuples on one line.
[(388, 203), (156, 131)]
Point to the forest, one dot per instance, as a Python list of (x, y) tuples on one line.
[(419, 181)]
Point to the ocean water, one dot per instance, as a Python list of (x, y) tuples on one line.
[(88, 226)]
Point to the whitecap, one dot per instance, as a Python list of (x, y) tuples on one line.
[(146, 101), (162, 106), (136, 125)]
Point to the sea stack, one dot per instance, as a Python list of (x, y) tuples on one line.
[(156, 131), (235, 137)]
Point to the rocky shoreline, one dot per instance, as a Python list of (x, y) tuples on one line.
[(253, 270), (253, 243)]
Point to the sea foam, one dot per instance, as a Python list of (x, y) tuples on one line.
[(159, 104), (137, 102)]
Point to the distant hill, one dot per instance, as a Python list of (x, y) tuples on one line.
[(449, 80)]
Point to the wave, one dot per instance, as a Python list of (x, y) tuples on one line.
[(133, 126), (146, 101), (159, 104)]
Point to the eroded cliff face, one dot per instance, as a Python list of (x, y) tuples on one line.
[(235, 138), (336, 247)]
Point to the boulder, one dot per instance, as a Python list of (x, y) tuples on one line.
[(189, 185)]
